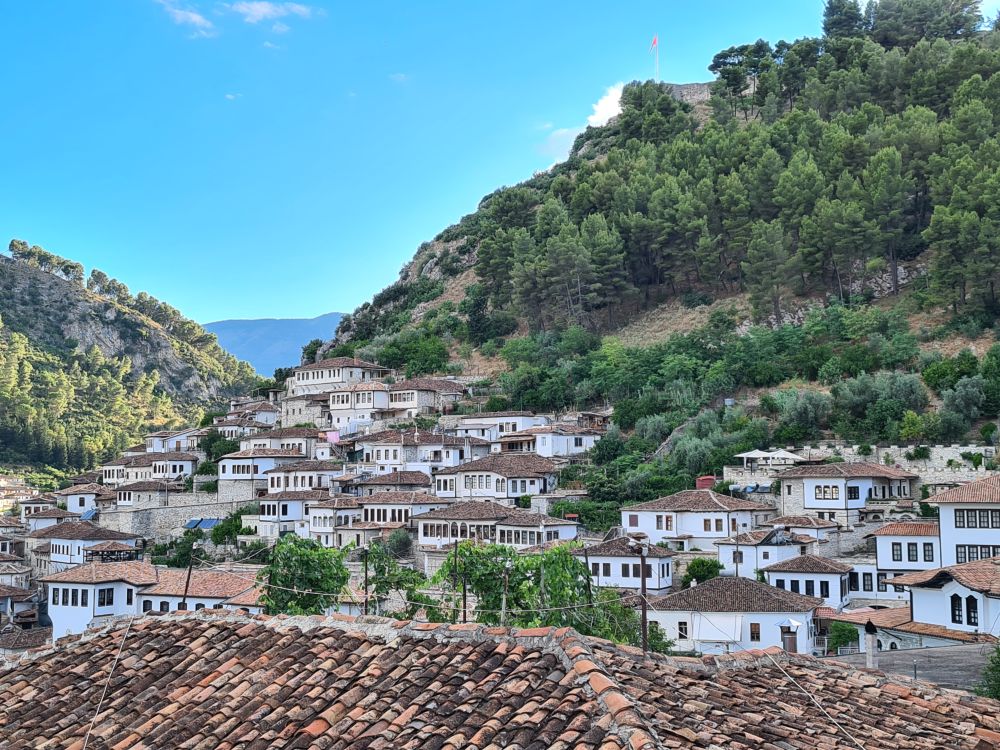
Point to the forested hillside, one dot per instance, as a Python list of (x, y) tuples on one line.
[(846, 185), (85, 367)]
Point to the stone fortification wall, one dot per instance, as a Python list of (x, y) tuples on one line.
[(159, 520)]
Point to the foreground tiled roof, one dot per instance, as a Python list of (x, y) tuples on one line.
[(211, 584), (735, 594), (980, 575), (808, 564), (216, 679), (986, 490), (845, 470), (907, 528), (522, 465), (17, 639), (418, 478), (620, 548), (899, 618), (809, 522), (79, 530), (697, 500)]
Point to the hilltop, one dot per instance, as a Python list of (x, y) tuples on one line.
[(85, 367), (270, 343)]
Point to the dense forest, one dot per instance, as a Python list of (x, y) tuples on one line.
[(69, 402), (826, 168)]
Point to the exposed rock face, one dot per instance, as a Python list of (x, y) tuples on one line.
[(59, 315)]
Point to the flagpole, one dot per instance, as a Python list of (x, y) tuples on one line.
[(657, 74)]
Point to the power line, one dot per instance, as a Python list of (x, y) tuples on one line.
[(107, 682)]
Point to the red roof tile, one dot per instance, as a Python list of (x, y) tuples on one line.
[(907, 528), (697, 501), (980, 575), (858, 469), (735, 594), (986, 490)]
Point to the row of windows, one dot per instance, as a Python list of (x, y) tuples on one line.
[(387, 515), (972, 552), (241, 469), (867, 582), (445, 485), (517, 536), (58, 548), (317, 374), (330, 521), (682, 631), (664, 523), (707, 524), (275, 482), (271, 509), (174, 468), (911, 551), (628, 570), (456, 530), (147, 606), (973, 519), (810, 586), (971, 610), (72, 597), (402, 397)]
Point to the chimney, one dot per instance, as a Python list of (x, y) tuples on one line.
[(871, 645)]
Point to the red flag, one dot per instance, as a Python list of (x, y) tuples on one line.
[(655, 44)]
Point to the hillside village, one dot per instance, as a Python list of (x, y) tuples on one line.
[(351, 454)]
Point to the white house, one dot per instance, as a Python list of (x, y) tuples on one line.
[(550, 441), (303, 475), (492, 425), (250, 466), (13, 571), (895, 629), (14, 600), (89, 594), (52, 516), (419, 450), (287, 512), (263, 412), (735, 614), (176, 441), (396, 481), (958, 597), (905, 546), (814, 526), (301, 439), (81, 497), (31, 505), (327, 374), (502, 478), (134, 493), (744, 554), (616, 563), (329, 518), (174, 466), (869, 586), (811, 575), (969, 521), (70, 539), (398, 507), (693, 519), (841, 491)]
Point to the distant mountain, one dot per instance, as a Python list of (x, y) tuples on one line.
[(269, 343)]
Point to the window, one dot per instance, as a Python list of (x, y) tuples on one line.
[(928, 552), (779, 583), (995, 519), (970, 520), (853, 493), (659, 523), (897, 551), (880, 580), (199, 606), (707, 524), (84, 596), (866, 581), (606, 569), (636, 571), (718, 524), (75, 599), (818, 494), (765, 555), (971, 610), (824, 589), (788, 489), (65, 597), (633, 520), (625, 570), (595, 569), (147, 605), (835, 493), (852, 581), (911, 551), (984, 519), (956, 609), (128, 596), (55, 595), (738, 557), (795, 585), (959, 519), (754, 631), (682, 630), (164, 606), (105, 597), (810, 588)]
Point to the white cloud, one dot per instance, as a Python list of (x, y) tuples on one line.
[(233, 97), (607, 106), (186, 17), (559, 142), (281, 28), (271, 45), (399, 77), (255, 11)]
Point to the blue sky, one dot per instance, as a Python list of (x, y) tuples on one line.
[(273, 159)]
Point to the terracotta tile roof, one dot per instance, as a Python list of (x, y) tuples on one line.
[(550, 429), (768, 538), (402, 498), (899, 618), (417, 478), (808, 564), (110, 547), (5, 557), (54, 513), (15, 593), (265, 453), (428, 384), (986, 490), (370, 385), (173, 456), (311, 465), (475, 510), (43, 549), (697, 501), (342, 502), (286, 432), (83, 489), (735, 594), (857, 469), (297, 495), (205, 584), (17, 639), (249, 598), (907, 528), (78, 530), (523, 465), (136, 572), (341, 362), (620, 548), (810, 522), (980, 575), (465, 417), (216, 679), (422, 437)]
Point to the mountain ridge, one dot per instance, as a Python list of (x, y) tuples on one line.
[(271, 343)]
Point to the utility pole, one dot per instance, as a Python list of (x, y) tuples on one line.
[(364, 557), (454, 581), (187, 581), (503, 598), (642, 586)]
